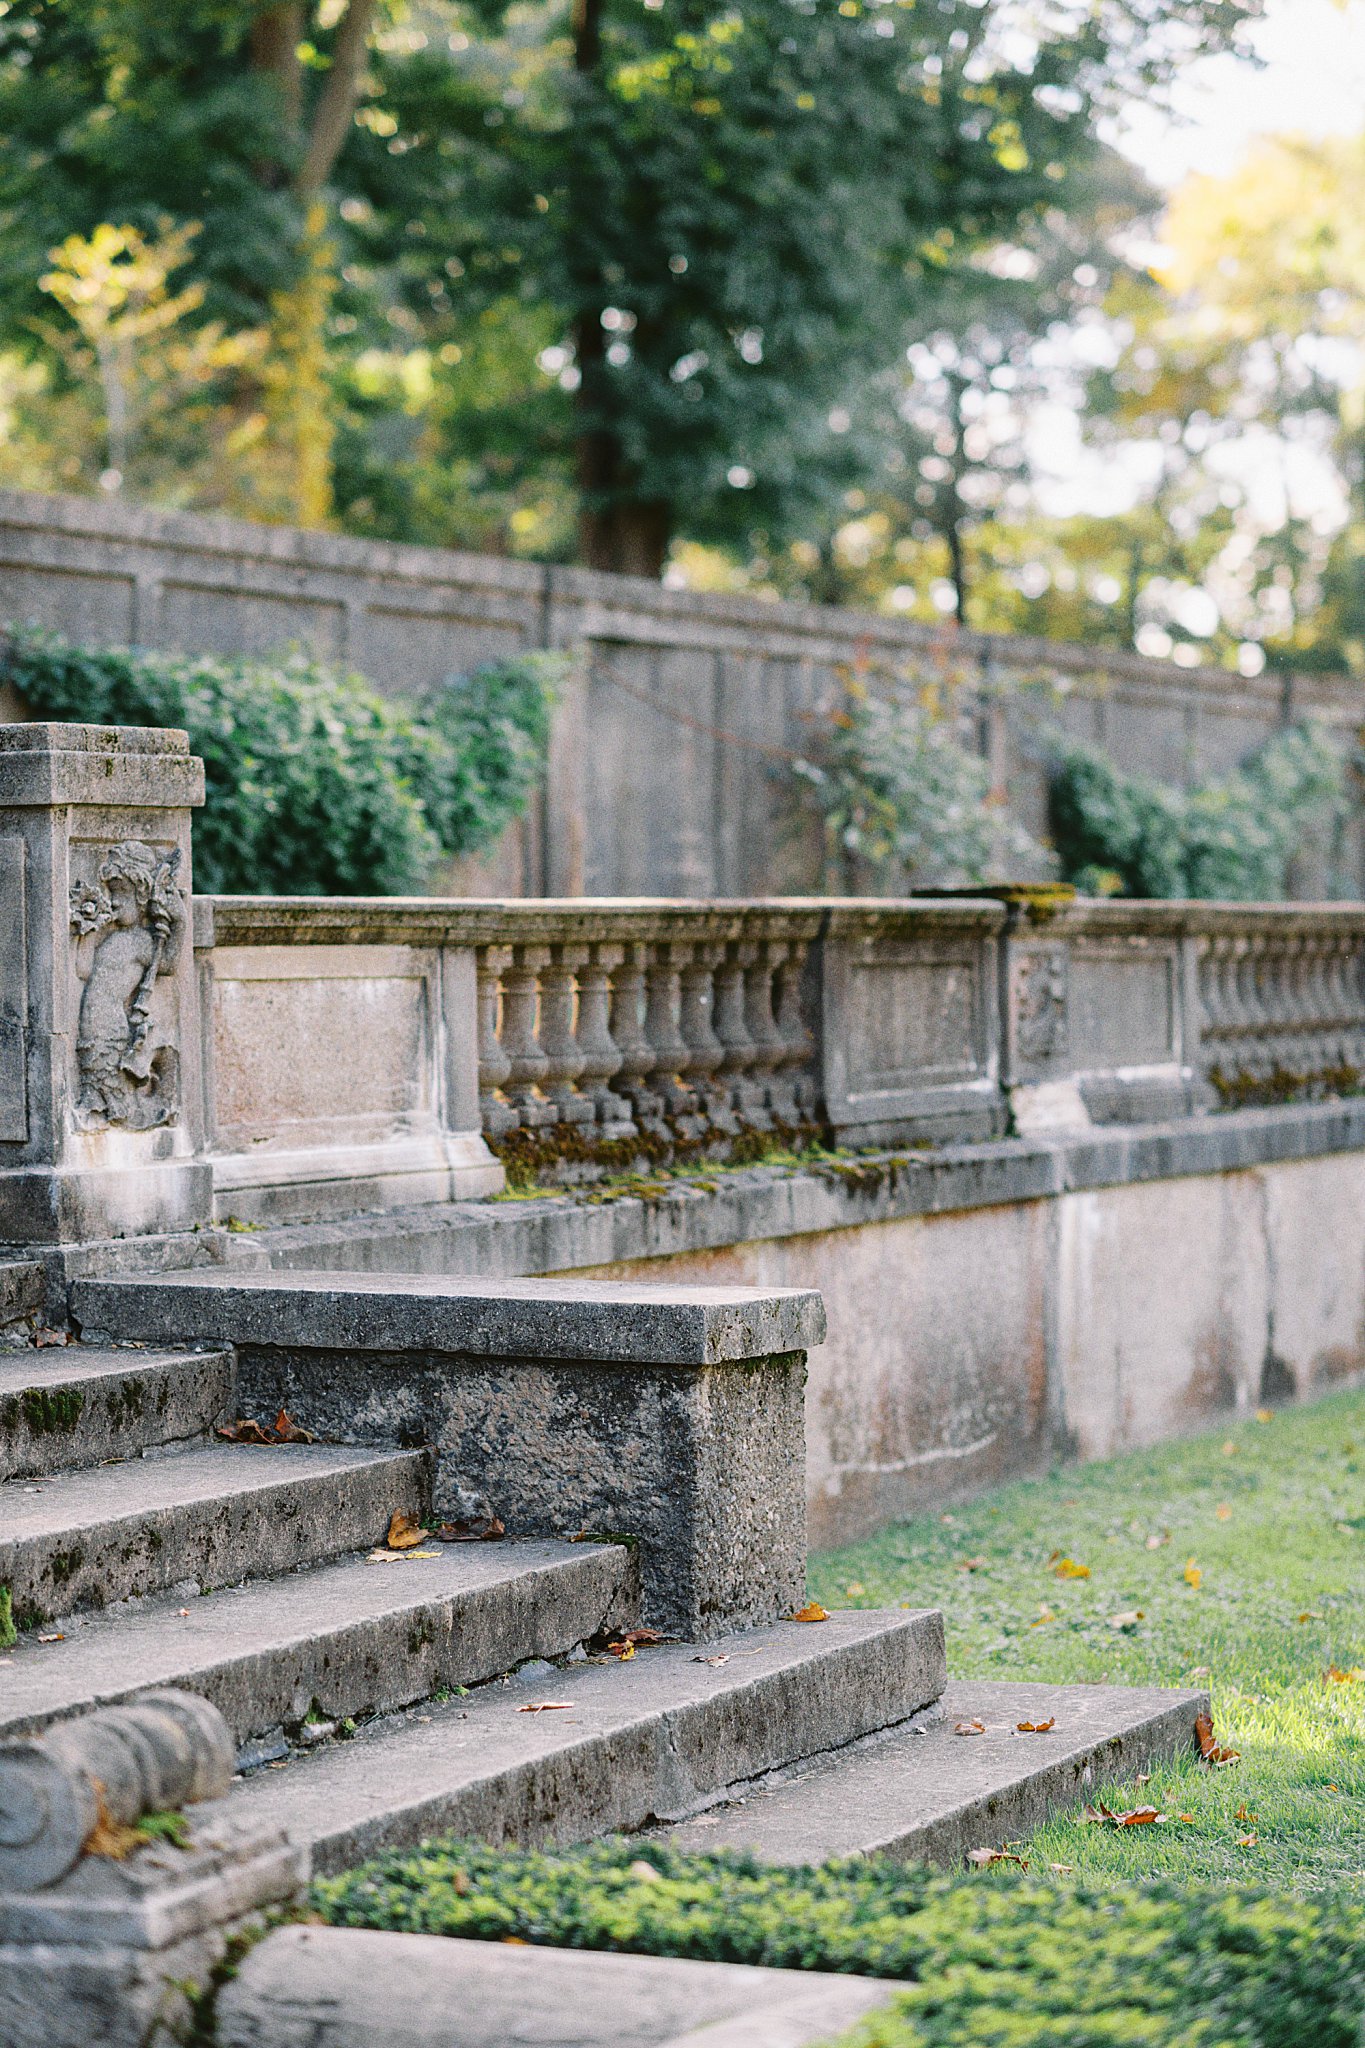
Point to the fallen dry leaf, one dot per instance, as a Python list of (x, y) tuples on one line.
[(1067, 1568), (110, 1837), (476, 1529), (1128, 1619), (287, 1431), (722, 1659), (1035, 1727), (855, 1589), (1192, 1575), (1061, 1869), (983, 1858), (1265, 1414), (405, 1531), (1248, 1841), (625, 1651), (1045, 1614), (546, 1707), (971, 1564), (245, 1431), (1159, 1542), (642, 1638), (44, 1338), (1333, 1675), (644, 1871), (1230, 1449), (1208, 1744), (1245, 1814), (1223, 1511), (1139, 1817), (1310, 1614), (812, 1611), (970, 1728), (52, 1639)]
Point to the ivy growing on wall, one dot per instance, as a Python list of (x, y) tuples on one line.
[(1234, 837), (315, 784)]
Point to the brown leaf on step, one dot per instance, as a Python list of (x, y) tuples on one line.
[(52, 1639), (547, 1707), (711, 1660), (625, 1651), (1035, 1727), (1208, 1744), (970, 1728), (983, 1858), (245, 1430), (110, 1837), (287, 1431), (478, 1529), (812, 1611), (643, 1638), (43, 1337), (405, 1531)]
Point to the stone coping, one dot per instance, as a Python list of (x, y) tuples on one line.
[(581, 1321), (43, 764), (567, 1230)]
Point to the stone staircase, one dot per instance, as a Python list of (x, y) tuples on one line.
[(380, 1698)]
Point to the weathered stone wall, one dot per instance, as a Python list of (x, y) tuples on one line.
[(670, 764)]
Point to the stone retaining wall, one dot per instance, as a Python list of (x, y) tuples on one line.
[(671, 758)]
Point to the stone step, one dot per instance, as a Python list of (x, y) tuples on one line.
[(84, 1405), (925, 1793), (347, 1639), (656, 1738), (215, 1515)]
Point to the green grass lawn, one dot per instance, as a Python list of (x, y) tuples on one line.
[(1268, 1519)]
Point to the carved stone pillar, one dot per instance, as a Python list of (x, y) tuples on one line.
[(628, 1030), (601, 1055), (495, 1114), (558, 1038), (100, 1070)]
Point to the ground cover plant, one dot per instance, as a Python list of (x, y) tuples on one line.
[(1236, 1562)]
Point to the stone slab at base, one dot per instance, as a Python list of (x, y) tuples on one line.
[(925, 1793), (344, 1987)]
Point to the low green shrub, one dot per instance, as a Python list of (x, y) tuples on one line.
[(1016, 1960), (315, 784), (9, 1634), (1233, 838)]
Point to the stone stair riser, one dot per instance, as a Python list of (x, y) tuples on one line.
[(216, 1542), (342, 1670), (66, 1416)]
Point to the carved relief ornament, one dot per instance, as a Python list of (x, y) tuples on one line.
[(129, 925)]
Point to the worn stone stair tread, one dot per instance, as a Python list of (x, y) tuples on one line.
[(414, 1990), (659, 1736), (216, 1513), (127, 1400), (354, 1636), (929, 1794)]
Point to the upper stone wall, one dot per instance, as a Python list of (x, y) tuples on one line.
[(662, 779)]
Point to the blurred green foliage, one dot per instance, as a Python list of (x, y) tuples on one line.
[(315, 784)]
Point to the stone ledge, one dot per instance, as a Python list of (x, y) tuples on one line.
[(601, 1322), (560, 1232)]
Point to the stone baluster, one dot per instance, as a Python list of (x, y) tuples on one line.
[(527, 1063), (705, 1052), (764, 1035), (792, 1086), (496, 1114), (628, 984), (667, 1076), (735, 1073), (600, 1054), (564, 1059)]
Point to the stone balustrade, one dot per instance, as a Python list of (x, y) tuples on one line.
[(580, 1037)]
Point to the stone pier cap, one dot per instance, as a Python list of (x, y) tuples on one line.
[(588, 1321)]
